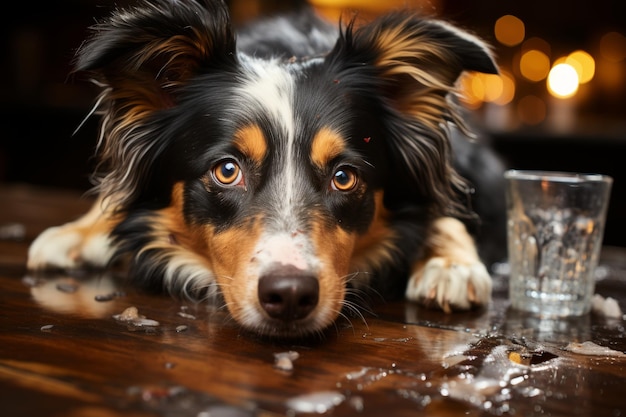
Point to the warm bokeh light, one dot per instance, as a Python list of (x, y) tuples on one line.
[(583, 63), (534, 65), (472, 90), (509, 30), (493, 86), (613, 47), (531, 110), (478, 88), (563, 81), (507, 93)]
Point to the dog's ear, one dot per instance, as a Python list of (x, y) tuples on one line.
[(415, 64), (141, 57), (152, 48)]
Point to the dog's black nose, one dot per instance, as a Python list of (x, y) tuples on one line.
[(288, 294)]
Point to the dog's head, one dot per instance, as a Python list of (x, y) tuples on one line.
[(279, 179)]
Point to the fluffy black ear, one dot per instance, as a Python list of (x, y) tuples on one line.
[(416, 62), (141, 56)]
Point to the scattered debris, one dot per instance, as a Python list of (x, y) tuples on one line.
[(592, 349), (12, 231), (186, 315), (518, 358), (607, 307), (131, 313), (131, 316), (317, 402), (284, 360), (67, 287), (156, 393), (181, 328)]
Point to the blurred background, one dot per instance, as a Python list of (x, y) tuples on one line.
[(558, 104)]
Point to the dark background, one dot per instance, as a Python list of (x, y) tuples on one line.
[(42, 104)]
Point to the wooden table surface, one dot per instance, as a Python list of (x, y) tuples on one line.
[(63, 352)]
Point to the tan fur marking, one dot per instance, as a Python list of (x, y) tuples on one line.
[(232, 252), (100, 219), (251, 142), (171, 235), (180, 246), (413, 54), (333, 247), (401, 49), (450, 239), (327, 144), (172, 224)]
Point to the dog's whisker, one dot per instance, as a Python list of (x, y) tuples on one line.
[(354, 275), (360, 299), (348, 321), (354, 310)]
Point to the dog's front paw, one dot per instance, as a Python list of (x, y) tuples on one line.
[(69, 247), (443, 283)]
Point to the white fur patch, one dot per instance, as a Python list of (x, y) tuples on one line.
[(66, 247), (451, 285), (269, 87)]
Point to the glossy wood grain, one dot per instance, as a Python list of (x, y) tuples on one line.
[(64, 353)]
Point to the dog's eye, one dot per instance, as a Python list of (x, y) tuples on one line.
[(344, 179), (228, 172)]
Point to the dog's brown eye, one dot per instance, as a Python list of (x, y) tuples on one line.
[(228, 173), (345, 179)]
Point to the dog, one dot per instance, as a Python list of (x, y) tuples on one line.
[(285, 169)]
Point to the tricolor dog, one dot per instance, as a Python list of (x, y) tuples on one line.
[(282, 169)]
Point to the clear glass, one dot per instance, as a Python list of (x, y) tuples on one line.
[(555, 230)]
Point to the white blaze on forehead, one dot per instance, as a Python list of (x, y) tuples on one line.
[(268, 90)]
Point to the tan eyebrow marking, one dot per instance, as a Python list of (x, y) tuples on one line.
[(327, 144), (250, 140)]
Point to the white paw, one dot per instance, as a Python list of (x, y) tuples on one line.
[(450, 285), (69, 247)]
